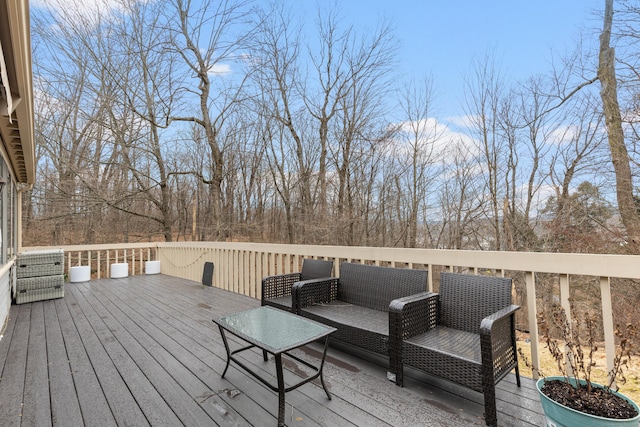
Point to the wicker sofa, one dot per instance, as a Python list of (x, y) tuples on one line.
[(276, 289), (465, 334), (357, 303)]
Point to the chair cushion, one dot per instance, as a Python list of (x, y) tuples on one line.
[(352, 315), (359, 326), (453, 342)]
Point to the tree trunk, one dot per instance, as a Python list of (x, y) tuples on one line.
[(619, 154)]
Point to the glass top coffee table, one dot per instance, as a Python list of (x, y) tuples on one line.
[(277, 332)]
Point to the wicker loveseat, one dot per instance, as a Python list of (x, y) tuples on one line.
[(465, 334), (357, 303), (276, 290)]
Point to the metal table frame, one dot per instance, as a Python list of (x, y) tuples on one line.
[(280, 388)]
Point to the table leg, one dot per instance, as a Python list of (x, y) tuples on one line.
[(281, 399), (226, 347), (324, 355)]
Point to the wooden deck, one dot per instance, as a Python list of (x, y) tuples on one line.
[(144, 351)]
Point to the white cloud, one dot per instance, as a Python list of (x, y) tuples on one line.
[(464, 122), (444, 139), (563, 134), (220, 69)]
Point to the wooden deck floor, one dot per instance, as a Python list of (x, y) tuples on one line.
[(144, 351)]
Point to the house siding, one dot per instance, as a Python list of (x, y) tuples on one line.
[(5, 295)]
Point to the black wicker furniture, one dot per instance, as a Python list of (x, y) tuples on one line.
[(465, 334), (276, 290), (357, 303)]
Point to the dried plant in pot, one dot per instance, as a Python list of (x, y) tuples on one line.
[(572, 398)]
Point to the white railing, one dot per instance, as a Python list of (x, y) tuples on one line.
[(239, 267)]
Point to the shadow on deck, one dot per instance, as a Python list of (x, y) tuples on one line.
[(143, 351)]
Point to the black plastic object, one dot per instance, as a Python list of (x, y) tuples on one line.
[(207, 274)]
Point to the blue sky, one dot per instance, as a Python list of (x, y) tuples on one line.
[(442, 37)]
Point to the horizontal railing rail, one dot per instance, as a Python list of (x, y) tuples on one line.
[(239, 267)]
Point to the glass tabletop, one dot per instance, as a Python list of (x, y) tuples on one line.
[(273, 330)]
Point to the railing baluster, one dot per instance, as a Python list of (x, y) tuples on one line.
[(607, 321), (566, 305), (533, 321)]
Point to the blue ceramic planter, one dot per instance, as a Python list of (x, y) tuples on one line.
[(561, 416)]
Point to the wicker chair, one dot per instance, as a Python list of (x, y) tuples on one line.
[(276, 290), (465, 334), (357, 303)]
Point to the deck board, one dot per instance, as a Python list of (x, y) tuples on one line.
[(14, 366), (36, 387), (143, 351), (159, 356), (124, 408), (65, 407), (151, 402), (93, 403)]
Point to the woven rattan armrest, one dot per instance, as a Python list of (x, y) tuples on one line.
[(314, 291), (408, 316), (498, 345), (498, 319), (413, 315), (278, 285)]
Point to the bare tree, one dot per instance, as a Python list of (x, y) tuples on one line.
[(329, 64), (420, 146), (460, 199), (368, 65), (275, 57), (483, 99), (74, 100), (619, 154), (208, 36), (578, 152), (124, 80), (146, 89)]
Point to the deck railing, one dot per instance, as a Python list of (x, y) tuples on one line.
[(239, 267), (100, 257)]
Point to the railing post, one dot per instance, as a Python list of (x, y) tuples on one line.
[(240, 276), (566, 306), (218, 272), (227, 269), (287, 263), (246, 281), (235, 259), (533, 321), (251, 275), (279, 263), (607, 321), (260, 262)]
